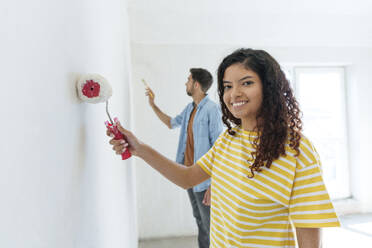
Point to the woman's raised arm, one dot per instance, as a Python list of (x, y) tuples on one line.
[(183, 176)]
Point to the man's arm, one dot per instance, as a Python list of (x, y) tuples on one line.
[(309, 237), (161, 115)]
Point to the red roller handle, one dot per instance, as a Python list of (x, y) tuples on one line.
[(118, 136)]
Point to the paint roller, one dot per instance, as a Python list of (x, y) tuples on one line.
[(93, 88)]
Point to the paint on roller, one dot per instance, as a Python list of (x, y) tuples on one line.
[(93, 88)]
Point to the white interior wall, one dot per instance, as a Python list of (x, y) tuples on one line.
[(168, 38), (61, 185), (264, 23)]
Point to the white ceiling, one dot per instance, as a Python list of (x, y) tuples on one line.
[(256, 22)]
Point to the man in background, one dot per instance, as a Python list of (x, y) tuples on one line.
[(201, 124)]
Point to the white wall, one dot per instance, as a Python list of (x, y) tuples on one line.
[(60, 184), (255, 22), (168, 38)]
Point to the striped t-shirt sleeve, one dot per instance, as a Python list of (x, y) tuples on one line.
[(310, 204), (207, 160)]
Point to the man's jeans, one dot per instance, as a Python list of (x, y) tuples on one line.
[(201, 213)]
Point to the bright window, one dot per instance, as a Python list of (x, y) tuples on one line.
[(321, 94)]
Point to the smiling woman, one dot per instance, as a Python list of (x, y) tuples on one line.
[(265, 174), (255, 94), (264, 171), (242, 94)]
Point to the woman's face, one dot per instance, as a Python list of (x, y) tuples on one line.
[(242, 92)]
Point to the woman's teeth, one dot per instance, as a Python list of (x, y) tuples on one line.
[(237, 104)]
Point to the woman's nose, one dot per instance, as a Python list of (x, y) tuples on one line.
[(235, 92)]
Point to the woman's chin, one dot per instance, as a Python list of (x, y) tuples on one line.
[(238, 115)]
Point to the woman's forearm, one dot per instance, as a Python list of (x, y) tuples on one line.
[(183, 176), (309, 237)]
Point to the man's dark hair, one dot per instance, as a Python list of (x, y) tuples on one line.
[(203, 76)]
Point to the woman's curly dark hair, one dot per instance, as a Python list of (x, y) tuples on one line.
[(279, 114)]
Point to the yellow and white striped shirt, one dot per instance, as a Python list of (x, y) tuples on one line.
[(257, 212)]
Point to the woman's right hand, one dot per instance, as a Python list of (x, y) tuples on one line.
[(130, 142)]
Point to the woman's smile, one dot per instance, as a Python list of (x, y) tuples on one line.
[(237, 105)]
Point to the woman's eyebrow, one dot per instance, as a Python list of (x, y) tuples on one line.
[(243, 78), (246, 77)]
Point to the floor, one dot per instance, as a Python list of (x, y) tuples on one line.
[(356, 232)]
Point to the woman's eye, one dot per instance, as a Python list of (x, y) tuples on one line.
[(248, 83), (226, 87)]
